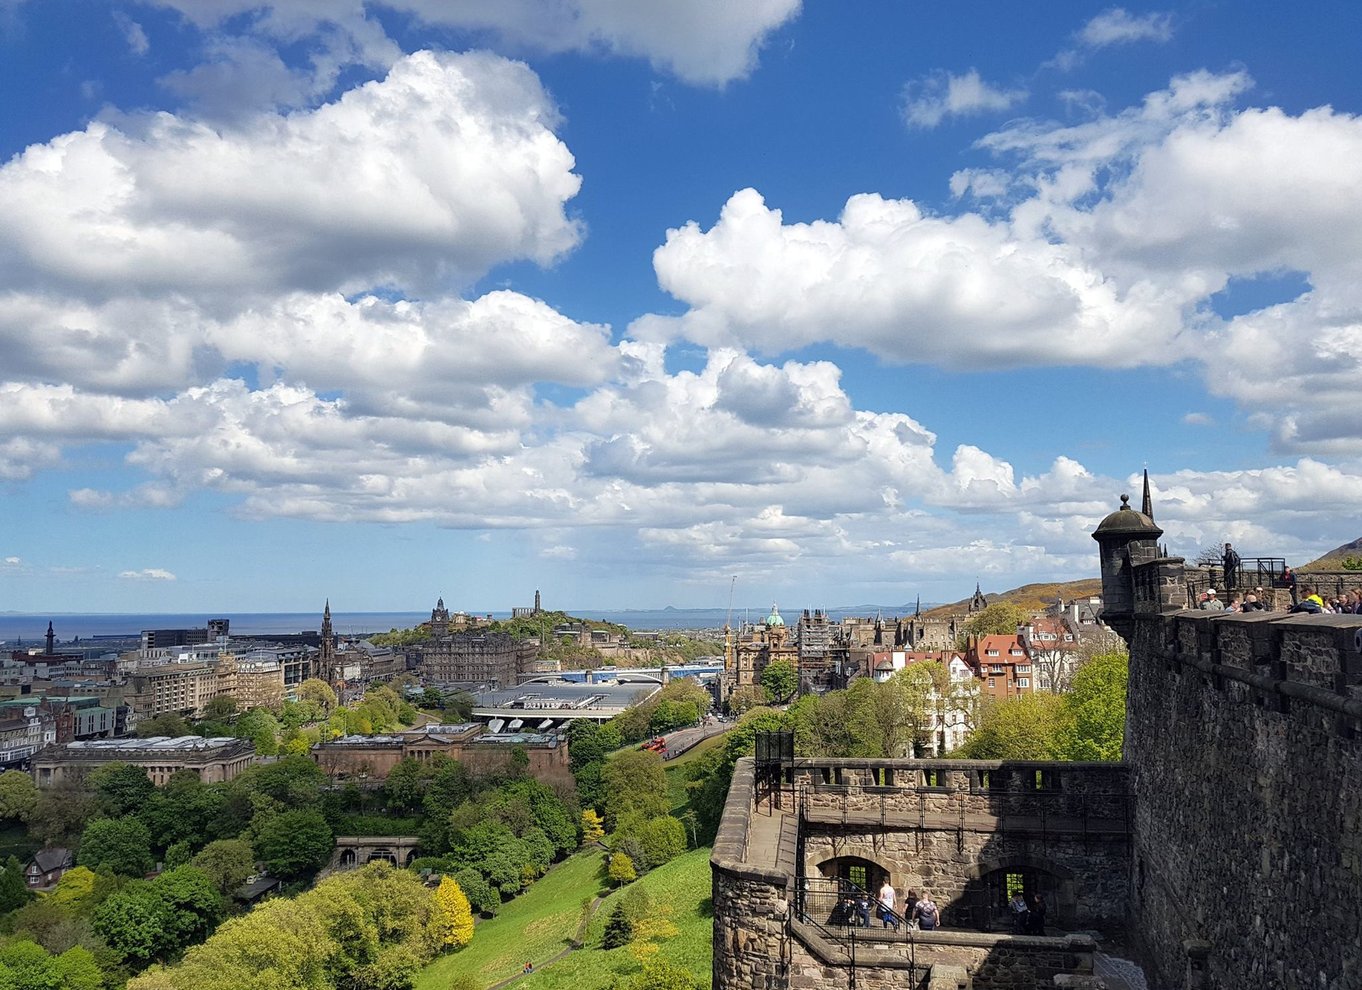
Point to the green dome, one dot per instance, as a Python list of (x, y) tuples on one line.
[(774, 618)]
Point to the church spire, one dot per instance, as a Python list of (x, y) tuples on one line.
[(1147, 505)]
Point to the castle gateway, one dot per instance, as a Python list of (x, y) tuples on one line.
[(1228, 846)]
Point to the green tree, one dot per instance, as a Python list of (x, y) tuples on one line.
[(118, 845), (75, 891), (1022, 728), (295, 843), (193, 905), (13, 890), (120, 788), (319, 694), (451, 915), (221, 708), (663, 839), (261, 728), (998, 619), (29, 966), (1095, 710), (134, 922), (619, 929), (60, 814), (780, 678), (621, 869), (481, 897), (591, 742), (746, 698), (77, 970), (227, 863), (635, 781), (18, 795), (404, 786), (669, 715)]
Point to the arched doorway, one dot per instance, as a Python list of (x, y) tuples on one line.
[(843, 891), (985, 904), (347, 858), (862, 873)]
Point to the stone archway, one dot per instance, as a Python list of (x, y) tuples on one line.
[(990, 884), (864, 873), (348, 858)]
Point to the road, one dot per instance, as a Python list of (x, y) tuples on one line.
[(683, 739)]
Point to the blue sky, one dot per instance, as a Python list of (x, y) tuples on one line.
[(853, 302)]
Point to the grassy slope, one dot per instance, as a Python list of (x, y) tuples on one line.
[(534, 926), (539, 924), (683, 888)]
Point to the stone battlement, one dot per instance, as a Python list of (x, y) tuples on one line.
[(1244, 741)]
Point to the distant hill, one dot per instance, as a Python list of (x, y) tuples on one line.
[(1032, 597), (1333, 560)]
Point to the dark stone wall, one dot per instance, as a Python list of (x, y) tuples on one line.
[(1243, 739)]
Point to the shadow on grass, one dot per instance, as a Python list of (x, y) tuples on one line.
[(705, 908)]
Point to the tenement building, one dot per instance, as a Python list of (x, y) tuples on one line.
[(1225, 851)]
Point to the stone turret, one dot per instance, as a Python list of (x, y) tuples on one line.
[(1125, 540)]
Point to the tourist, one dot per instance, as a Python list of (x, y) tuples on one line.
[(1235, 605), (1311, 602), (1231, 562), (1038, 915), (1253, 604), (863, 909), (887, 906), (1020, 913), (1212, 603), (910, 902), (926, 914)]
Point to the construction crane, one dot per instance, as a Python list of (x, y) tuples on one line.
[(728, 620)]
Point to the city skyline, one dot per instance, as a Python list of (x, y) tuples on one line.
[(627, 302)]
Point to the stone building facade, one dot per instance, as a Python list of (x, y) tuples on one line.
[(452, 656), (214, 760), (373, 757)]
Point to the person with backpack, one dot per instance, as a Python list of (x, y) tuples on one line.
[(925, 913)]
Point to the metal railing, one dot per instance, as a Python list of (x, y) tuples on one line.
[(838, 908)]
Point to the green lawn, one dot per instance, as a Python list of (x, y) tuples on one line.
[(540, 923), (534, 926), (682, 888)]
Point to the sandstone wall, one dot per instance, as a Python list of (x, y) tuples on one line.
[(1243, 738)]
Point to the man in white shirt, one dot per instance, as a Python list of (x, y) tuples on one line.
[(887, 906)]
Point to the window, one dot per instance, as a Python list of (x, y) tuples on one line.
[(1023, 668), (991, 653), (1023, 682), (990, 683), (1014, 652), (934, 778)]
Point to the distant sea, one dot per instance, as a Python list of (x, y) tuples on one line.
[(32, 628)]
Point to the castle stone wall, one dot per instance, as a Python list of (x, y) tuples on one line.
[(1245, 744)]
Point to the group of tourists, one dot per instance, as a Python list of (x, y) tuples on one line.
[(853, 910), (1028, 913), (1348, 603)]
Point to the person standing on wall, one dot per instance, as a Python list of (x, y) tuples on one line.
[(1231, 564)]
